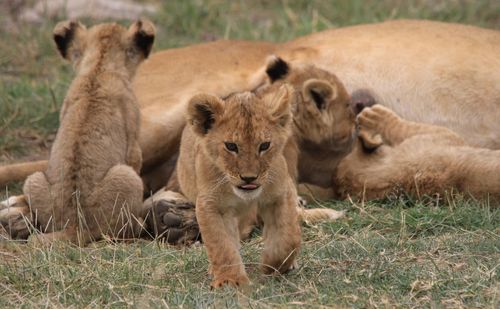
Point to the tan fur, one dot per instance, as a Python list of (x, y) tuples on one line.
[(322, 135), (431, 72), (91, 186), (415, 158), (319, 141), (211, 173), (391, 155)]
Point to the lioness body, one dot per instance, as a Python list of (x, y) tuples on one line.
[(431, 72), (416, 158), (91, 186)]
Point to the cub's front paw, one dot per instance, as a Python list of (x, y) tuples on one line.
[(240, 281), (372, 122)]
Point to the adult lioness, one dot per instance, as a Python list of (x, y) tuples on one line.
[(323, 129), (231, 160), (431, 72), (91, 186)]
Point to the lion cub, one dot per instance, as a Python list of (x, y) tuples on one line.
[(91, 186), (231, 160)]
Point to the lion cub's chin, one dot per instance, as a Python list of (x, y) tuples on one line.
[(247, 195)]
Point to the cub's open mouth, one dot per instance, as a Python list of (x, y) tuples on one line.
[(248, 187)]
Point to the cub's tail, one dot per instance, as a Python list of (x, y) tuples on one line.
[(19, 171)]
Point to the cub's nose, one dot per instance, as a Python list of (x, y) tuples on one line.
[(248, 179)]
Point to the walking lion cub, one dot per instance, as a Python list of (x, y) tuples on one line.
[(91, 186), (231, 161)]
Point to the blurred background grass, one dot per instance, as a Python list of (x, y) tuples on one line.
[(396, 253)]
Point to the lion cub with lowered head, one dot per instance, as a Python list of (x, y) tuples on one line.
[(91, 186), (231, 160)]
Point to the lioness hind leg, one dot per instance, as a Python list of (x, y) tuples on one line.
[(116, 206), (282, 236)]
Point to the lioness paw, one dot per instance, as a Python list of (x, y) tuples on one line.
[(173, 221), (237, 282)]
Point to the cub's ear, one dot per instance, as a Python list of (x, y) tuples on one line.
[(203, 111), (276, 68), (281, 105), (142, 33), (65, 34), (320, 92)]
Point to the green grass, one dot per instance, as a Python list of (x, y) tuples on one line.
[(401, 253), (378, 256)]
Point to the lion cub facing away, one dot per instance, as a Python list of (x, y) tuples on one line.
[(91, 186), (231, 160)]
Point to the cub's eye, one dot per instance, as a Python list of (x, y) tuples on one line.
[(264, 146), (231, 147)]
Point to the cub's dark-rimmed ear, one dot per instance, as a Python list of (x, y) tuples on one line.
[(276, 68), (203, 112), (65, 34), (143, 34), (320, 92), (281, 105)]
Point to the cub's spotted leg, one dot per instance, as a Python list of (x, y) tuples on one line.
[(219, 235), (282, 236), (379, 125)]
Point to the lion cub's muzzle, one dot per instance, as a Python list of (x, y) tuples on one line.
[(248, 189), (248, 183)]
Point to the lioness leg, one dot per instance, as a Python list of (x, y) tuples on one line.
[(282, 236), (220, 235), (380, 125), (115, 205)]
